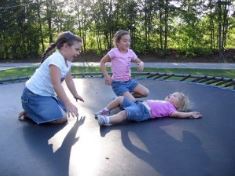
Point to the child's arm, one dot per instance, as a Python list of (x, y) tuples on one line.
[(56, 82), (178, 114), (71, 86), (105, 59), (140, 64)]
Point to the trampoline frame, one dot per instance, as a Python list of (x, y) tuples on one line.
[(220, 82)]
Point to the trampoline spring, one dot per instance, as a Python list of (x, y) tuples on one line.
[(167, 77), (212, 82), (203, 80), (152, 75), (220, 83), (198, 79), (149, 74), (185, 77), (158, 77), (230, 84), (223, 82), (209, 78), (141, 73)]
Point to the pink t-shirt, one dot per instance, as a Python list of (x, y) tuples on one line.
[(160, 108), (121, 64)]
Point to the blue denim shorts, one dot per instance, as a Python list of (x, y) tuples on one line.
[(120, 87), (42, 109), (136, 111)]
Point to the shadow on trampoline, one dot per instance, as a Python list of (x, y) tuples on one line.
[(157, 147), (164, 154), (45, 151)]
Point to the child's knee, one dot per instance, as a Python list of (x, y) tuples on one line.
[(123, 114), (146, 92), (120, 99)]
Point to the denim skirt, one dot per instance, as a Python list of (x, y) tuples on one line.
[(42, 109), (120, 87)]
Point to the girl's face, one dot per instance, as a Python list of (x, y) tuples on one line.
[(174, 98), (73, 51), (124, 43)]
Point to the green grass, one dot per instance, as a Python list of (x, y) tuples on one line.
[(23, 72), (17, 72)]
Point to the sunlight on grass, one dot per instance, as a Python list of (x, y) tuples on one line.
[(24, 72), (17, 72)]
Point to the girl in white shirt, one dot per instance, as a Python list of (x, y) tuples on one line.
[(44, 99)]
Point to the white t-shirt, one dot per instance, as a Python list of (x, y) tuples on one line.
[(40, 82)]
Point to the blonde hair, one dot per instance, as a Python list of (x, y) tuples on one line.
[(184, 103), (118, 35)]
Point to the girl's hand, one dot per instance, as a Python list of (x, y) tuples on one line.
[(196, 115), (140, 66), (72, 110), (108, 80), (79, 98)]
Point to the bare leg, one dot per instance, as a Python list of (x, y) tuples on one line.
[(118, 118), (140, 91), (129, 96), (115, 103), (23, 116)]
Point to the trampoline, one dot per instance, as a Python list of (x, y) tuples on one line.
[(160, 147)]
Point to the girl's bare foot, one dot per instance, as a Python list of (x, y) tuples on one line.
[(22, 116)]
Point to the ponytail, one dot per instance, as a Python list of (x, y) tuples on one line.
[(64, 37), (48, 51)]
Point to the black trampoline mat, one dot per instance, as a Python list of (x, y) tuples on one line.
[(158, 147)]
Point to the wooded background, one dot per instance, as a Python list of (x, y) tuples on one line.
[(188, 27)]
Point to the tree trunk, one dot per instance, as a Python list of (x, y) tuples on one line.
[(166, 26), (49, 20), (40, 26), (220, 35)]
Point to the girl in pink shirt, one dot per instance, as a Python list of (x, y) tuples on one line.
[(121, 57), (174, 105)]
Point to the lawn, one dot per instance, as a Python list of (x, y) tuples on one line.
[(23, 72)]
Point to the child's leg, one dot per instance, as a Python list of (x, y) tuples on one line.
[(110, 120), (118, 118), (23, 116), (111, 105), (140, 91), (115, 103), (129, 96)]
